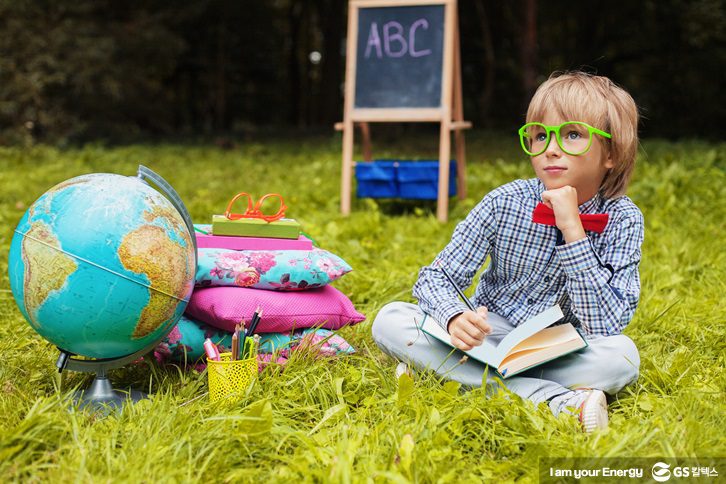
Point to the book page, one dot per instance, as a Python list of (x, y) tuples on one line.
[(523, 360), (528, 328), (547, 337)]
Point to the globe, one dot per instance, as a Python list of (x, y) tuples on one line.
[(102, 265)]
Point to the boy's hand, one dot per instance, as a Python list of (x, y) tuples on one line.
[(469, 329), (563, 201)]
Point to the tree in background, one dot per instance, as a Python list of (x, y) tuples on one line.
[(99, 69), (82, 66)]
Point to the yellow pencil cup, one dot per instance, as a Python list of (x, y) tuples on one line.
[(228, 378)]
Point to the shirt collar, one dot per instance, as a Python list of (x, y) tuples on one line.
[(593, 205)]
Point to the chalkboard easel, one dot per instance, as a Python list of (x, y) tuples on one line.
[(403, 65)]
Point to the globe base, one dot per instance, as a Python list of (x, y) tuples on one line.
[(101, 396)]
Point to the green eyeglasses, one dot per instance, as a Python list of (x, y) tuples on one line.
[(577, 139)]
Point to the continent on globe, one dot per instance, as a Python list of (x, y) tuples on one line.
[(147, 251), (168, 214), (46, 267)]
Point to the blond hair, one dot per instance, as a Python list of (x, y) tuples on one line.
[(599, 102)]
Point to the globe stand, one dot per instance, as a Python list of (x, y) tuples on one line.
[(101, 396)]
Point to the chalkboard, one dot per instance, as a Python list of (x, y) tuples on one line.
[(399, 57)]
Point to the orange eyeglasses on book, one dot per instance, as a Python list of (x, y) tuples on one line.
[(255, 210)]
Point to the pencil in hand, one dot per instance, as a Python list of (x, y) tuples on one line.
[(456, 287)]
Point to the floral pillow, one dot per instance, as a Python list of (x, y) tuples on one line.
[(278, 270)]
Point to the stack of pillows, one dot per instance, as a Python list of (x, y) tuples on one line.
[(290, 286)]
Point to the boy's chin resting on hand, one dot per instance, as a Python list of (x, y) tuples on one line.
[(469, 329), (564, 203)]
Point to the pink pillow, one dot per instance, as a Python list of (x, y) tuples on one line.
[(225, 306)]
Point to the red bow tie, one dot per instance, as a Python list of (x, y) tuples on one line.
[(594, 222)]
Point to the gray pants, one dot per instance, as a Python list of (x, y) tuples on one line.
[(608, 364)]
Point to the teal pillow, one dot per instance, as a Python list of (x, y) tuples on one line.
[(185, 342), (277, 270)]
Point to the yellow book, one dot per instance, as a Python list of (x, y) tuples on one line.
[(285, 228)]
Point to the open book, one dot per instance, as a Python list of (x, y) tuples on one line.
[(526, 346)]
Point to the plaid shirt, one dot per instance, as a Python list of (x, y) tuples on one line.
[(595, 280)]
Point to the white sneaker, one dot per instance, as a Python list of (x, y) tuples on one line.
[(594, 411), (401, 369)]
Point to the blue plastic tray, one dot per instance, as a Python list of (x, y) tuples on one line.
[(417, 180)]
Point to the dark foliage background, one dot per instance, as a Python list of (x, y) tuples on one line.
[(76, 70)]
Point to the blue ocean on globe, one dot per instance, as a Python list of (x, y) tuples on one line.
[(102, 265)]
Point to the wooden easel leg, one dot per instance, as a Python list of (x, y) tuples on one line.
[(458, 101), (460, 164), (365, 131), (346, 169), (442, 207)]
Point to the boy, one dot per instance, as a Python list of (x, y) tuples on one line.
[(581, 135)]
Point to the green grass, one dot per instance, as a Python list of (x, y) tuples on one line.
[(349, 419)]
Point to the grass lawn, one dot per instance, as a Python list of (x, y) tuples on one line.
[(349, 419)]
